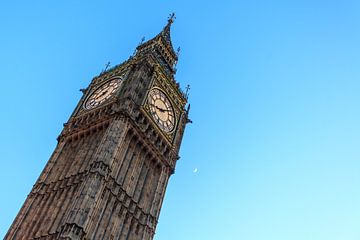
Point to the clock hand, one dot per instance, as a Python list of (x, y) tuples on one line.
[(165, 110), (161, 110), (104, 92)]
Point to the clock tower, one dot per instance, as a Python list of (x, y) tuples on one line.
[(107, 177)]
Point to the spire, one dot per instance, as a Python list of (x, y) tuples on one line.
[(171, 18), (161, 47), (166, 36), (166, 31)]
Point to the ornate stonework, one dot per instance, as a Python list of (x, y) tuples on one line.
[(107, 176)]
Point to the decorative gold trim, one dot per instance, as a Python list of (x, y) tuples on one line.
[(172, 108), (121, 81)]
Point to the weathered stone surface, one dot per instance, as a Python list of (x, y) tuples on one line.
[(108, 174)]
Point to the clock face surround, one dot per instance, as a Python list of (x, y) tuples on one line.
[(103, 93), (161, 110)]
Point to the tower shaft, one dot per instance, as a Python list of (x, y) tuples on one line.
[(107, 176)]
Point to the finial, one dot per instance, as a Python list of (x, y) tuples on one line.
[(140, 43), (142, 40), (188, 120), (187, 91), (106, 67), (171, 18)]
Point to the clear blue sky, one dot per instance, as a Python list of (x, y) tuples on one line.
[(274, 100)]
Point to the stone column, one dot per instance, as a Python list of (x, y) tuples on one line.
[(159, 191), (93, 186)]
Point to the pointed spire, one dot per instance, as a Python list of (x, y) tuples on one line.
[(164, 35), (166, 31), (171, 18), (161, 45)]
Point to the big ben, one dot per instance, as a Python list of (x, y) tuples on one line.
[(107, 176)]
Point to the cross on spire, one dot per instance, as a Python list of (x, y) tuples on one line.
[(171, 17)]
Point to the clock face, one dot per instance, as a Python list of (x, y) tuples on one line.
[(103, 93), (161, 110)]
